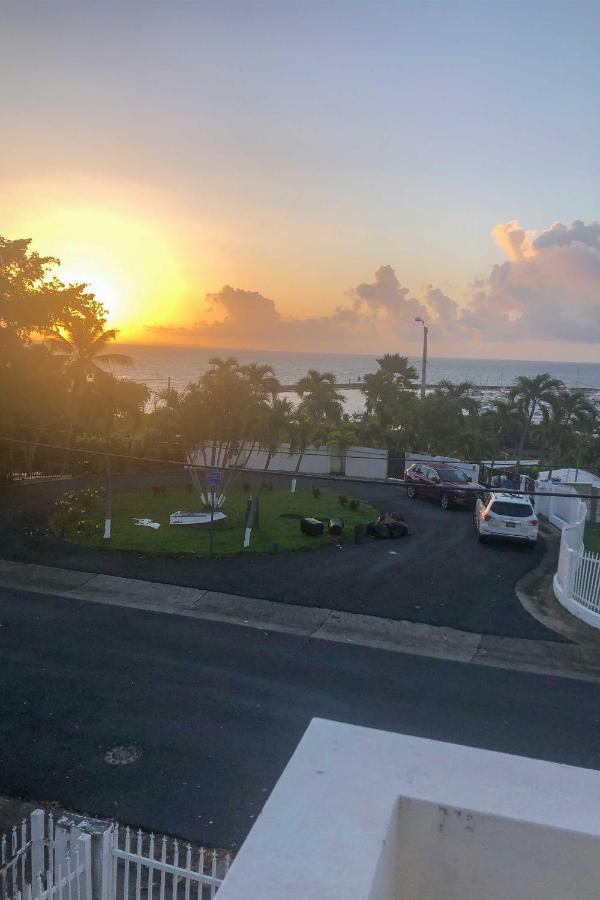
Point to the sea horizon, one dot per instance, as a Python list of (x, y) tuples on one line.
[(160, 365)]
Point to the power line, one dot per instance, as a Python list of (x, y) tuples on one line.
[(312, 475), (220, 445)]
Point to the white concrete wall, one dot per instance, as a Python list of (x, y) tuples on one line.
[(366, 462), (371, 815), (363, 462), (560, 511)]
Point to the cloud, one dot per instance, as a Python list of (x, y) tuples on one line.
[(515, 242), (547, 289), (376, 311)]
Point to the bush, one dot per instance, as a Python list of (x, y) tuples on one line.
[(246, 487), (158, 489), (316, 492), (343, 498), (73, 513), (354, 504), (189, 488)]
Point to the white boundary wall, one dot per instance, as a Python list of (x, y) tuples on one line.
[(371, 815), (358, 462), (560, 511)]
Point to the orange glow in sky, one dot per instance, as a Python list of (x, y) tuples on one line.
[(131, 263)]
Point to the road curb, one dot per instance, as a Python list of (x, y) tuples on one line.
[(312, 623), (536, 595)]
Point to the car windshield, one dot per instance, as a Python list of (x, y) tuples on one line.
[(516, 510), (453, 475)]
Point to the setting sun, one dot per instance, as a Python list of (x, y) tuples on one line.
[(127, 260)]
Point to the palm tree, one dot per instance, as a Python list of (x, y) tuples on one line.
[(381, 395), (83, 345), (573, 413), (460, 393), (398, 366), (532, 396), (276, 425), (320, 401), (262, 380)]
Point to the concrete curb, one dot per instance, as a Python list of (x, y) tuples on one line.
[(542, 657), (536, 596)]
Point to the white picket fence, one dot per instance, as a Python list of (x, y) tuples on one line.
[(32, 867), (577, 580), (44, 860), (586, 586), (181, 873)]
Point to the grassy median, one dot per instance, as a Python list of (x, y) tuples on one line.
[(280, 513)]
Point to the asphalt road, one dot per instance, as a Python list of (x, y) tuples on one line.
[(217, 710), (439, 575)]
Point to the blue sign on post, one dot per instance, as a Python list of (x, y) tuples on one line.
[(214, 479)]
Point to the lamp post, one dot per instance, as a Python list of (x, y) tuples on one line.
[(424, 362)]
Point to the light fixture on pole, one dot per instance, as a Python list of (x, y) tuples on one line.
[(424, 362)]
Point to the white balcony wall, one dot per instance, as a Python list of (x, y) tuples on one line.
[(378, 816)]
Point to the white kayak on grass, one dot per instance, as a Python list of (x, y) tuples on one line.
[(183, 517), (148, 523)]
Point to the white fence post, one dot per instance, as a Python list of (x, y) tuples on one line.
[(101, 835), (84, 843), (37, 849)]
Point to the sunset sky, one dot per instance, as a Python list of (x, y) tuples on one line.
[(313, 175)]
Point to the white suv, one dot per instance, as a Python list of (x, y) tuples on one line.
[(507, 516)]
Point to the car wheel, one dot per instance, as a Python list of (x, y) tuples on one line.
[(531, 544), (445, 501), (481, 537), (411, 492)]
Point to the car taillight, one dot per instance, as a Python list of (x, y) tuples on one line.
[(533, 521), (486, 516)]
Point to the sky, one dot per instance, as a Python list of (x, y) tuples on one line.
[(313, 175)]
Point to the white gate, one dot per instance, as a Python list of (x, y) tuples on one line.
[(44, 860), (163, 869), (32, 867)]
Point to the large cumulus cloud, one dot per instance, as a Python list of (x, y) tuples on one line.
[(548, 288)]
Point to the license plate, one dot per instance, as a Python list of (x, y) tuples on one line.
[(511, 524)]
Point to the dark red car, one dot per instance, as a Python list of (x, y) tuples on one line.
[(446, 484)]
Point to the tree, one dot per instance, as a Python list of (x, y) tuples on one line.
[(262, 380), (82, 344), (398, 366), (320, 402), (533, 396), (277, 423), (459, 395)]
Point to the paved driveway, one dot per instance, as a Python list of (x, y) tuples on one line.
[(217, 710), (439, 575)]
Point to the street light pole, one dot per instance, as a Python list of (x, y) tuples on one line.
[(424, 361)]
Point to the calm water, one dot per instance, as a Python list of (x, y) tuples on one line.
[(155, 365)]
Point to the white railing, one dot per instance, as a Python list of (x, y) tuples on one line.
[(183, 873), (586, 588), (30, 868), (577, 579)]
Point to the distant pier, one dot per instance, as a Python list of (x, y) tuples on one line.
[(359, 385)]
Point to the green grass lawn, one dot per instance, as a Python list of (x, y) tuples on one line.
[(280, 513), (591, 537)]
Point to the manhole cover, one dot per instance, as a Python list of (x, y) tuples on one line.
[(122, 756)]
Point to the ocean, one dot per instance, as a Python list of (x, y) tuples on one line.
[(155, 365)]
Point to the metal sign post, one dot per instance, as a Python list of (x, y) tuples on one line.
[(214, 481)]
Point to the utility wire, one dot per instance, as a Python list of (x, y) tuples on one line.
[(312, 475), (220, 445)]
